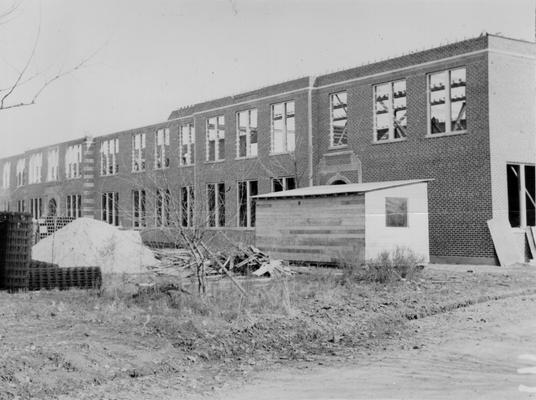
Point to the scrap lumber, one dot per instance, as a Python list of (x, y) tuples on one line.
[(506, 247)]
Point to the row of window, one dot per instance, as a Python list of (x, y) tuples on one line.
[(446, 108), (446, 114), (73, 206), (73, 158), (169, 211), (283, 140)]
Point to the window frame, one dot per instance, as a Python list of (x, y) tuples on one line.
[(448, 104), (284, 183), (53, 167), (139, 209), (73, 161), (331, 120), (391, 112), (248, 134), (250, 204), (73, 205), (219, 141), (163, 208), (161, 160), (285, 133), (219, 205), (190, 145), (389, 216), (110, 208), (139, 155), (6, 175)]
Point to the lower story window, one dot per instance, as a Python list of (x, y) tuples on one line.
[(246, 205), (187, 206), (74, 205), (138, 208), (521, 189), (36, 207), (21, 205), (110, 208), (216, 204), (285, 183), (163, 200)]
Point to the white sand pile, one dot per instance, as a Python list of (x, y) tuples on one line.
[(88, 242)]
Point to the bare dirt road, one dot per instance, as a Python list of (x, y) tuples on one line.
[(479, 352)]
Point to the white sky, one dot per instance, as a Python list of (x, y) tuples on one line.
[(158, 55)]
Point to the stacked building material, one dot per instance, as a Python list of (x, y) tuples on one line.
[(15, 250), (43, 275)]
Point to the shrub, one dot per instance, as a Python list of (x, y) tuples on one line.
[(399, 264)]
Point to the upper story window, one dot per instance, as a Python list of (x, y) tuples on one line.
[(390, 120), (283, 127), (53, 162), (186, 144), (161, 146), (20, 170), (6, 175), (447, 101), (216, 138), (35, 166), (109, 152), (138, 152), (73, 158), (338, 119), (246, 122)]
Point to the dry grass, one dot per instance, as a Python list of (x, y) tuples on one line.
[(56, 342)]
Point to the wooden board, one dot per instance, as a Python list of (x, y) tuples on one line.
[(504, 241), (530, 239), (311, 229)]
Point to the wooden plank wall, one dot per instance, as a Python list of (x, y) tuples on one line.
[(318, 229)]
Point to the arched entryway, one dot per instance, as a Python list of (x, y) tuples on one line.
[(52, 208), (338, 179)]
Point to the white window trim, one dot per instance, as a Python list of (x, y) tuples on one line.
[(248, 134), (248, 203), (448, 132), (191, 145), (216, 141), (331, 136), (286, 130), (163, 147), (391, 137)]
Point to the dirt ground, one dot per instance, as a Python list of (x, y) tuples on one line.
[(470, 353), (78, 345)]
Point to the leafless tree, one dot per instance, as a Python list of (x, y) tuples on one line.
[(10, 96)]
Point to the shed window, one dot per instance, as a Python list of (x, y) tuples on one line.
[(396, 212)]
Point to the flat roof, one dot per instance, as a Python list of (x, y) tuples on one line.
[(326, 190)]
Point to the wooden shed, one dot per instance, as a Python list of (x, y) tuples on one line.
[(326, 223)]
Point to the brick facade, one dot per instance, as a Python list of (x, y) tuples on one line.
[(466, 167)]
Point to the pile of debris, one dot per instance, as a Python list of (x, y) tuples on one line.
[(240, 261)]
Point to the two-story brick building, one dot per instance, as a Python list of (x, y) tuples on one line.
[(462, 114)]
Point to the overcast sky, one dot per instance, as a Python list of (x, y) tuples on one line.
[(154, 56)]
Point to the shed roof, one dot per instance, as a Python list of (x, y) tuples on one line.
[(326, 190)]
